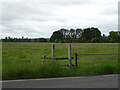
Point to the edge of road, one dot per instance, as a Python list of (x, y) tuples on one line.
[(59, 78)]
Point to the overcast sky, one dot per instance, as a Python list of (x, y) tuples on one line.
[(41, 18)]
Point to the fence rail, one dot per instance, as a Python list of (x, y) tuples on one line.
[(76, 56), (100, 54), (57, 58)]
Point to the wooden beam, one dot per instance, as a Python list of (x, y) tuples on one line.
[(57, 58), (76, 59), (53, 57), (69, 56), (44, 59)]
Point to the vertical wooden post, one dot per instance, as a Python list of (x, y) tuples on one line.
[(44, 59), (69, 56), (53, 47), (76, 59)]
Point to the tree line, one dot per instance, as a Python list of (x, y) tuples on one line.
[(22, 39), (87, 35)]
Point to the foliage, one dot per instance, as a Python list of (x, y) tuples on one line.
[(57, 35), (114, 36), (10, 39), (87, 35)]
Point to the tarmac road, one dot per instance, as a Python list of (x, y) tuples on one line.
[(102, 81)]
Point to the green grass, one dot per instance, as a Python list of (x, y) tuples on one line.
[(23, 60)]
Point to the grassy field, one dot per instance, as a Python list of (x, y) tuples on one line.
[(23, 60)]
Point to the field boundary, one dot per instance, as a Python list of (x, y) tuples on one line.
[(78, 54)]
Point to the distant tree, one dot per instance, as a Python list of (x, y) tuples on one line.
[(103, 35), (79, 33), (72, 33), (6, 38), (105, 38), (86, 34), (56, 36), (90, 33), (95, 32), (42, 40), (114, 36), (65, 33)]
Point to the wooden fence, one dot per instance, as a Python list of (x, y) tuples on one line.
[(69, 57), (77, 54)]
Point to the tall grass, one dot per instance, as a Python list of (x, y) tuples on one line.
[(37, 70)]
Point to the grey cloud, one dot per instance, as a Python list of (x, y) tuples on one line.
[(41, 19), (22, 10), (111, 10)]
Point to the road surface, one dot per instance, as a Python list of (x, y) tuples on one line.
[(103, 81)]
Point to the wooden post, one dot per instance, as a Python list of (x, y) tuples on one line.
[(44, 59), (76, 59), (69, 56), (53, 47)]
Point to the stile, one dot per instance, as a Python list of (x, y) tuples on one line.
[(60, 58)]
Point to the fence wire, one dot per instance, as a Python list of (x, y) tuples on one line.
[(98, 58)]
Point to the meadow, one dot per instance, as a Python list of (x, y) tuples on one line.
[(22, 60)]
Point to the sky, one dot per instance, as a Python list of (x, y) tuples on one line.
[(40, 18)]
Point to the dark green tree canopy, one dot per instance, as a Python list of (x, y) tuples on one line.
[(114, 36), (78, 34), (90, 33), (57, 35)]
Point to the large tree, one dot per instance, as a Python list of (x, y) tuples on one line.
[(90, 33), (65, 33), (79, 33), (56, 36), (114, 36)]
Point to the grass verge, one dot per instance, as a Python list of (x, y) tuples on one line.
[(48, 70)]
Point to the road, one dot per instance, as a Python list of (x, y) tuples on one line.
[(103, 81)]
